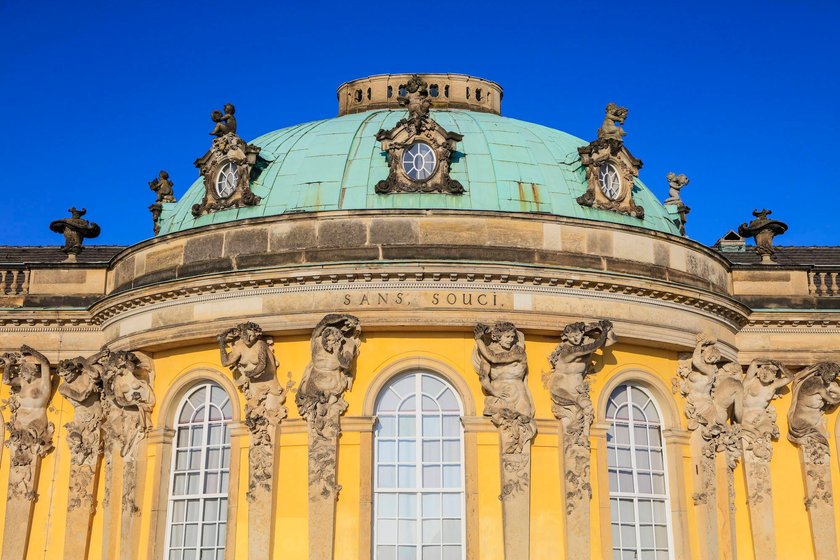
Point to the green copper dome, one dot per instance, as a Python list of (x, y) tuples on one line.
[(504, 165)]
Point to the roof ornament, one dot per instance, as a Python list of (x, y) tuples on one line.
[(75, 230), (675, 184), (610, 168), (226, 168), (162, 187), (763, 229), (418, 149)]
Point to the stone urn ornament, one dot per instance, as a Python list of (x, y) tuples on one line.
[(763, 229), (75, 230)]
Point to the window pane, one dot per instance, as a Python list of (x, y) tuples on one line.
[(420, 521), (199, 469), (635, 460)]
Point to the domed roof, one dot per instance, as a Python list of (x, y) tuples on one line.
[(503, 164)]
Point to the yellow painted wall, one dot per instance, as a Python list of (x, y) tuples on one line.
[(379, 350)]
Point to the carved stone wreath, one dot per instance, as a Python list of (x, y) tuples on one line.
[(226, 169), (595, 158), (418, 146)]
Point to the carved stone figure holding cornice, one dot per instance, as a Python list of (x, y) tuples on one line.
[(763, 229), (334, 345), (571, 362), (762, 383), (816, 390), (419, 149), (251, 359), (75, 230), (610, 130), (129, 399), (82, 387), (502, 366), (226, 168), (27, 372), (610, 168)]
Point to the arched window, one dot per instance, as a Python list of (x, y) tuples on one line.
[(639, 506), (196, 519), (419, 474)]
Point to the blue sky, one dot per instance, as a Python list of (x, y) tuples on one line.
[(741, 96)]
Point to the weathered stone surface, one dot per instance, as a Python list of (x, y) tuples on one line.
[(394, 232), (294, 235), (203, 248), (349, 234), (246, 242)]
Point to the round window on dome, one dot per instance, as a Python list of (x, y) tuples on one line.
[(226, 180), (419, 161), (609, 181)]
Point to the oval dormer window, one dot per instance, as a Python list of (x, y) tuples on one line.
[(609, 180), (419, 162), (226, 180)]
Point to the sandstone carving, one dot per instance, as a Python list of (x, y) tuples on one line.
[(334, 345), (610, 168), (27, 372), (162, 187), (251, 360), (571, 363), (226, 168), (763, 229), (675, 184), (419, 149), (82, 387), (763, 382), (129, 399), (75, 230), (816, 390), (502, 366)]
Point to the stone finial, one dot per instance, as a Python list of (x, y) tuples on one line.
[(75, 230), (609, 128), (763, 229), (225, 122)]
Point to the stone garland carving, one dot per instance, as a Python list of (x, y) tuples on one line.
[(334, 346), (567, 383), (763, 229), (75, 230), (610, 168), (128, 400), (816, 390), (27, 372), (226, 168), (162, 187), (431, 141), (251, 360), (502, 366), (82, 387)]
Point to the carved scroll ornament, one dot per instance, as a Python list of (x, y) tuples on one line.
[(419, 149), (610, 168), (502, 366), (226, 168), (571, 363), (27, 372)]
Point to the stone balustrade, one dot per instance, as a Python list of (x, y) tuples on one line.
[(14, 281), (824, 283)]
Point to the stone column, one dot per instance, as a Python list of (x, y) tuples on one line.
[(500, 361), (334, 345), (27, 372), (251, 359), (571, 364), (816, 390)]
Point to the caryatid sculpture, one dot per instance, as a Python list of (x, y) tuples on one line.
[(502, 367), (816, 390), (567, 383), (27, 372), (82, 386), (127, 387), (762, 383), (334, 345), (251, 360)]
